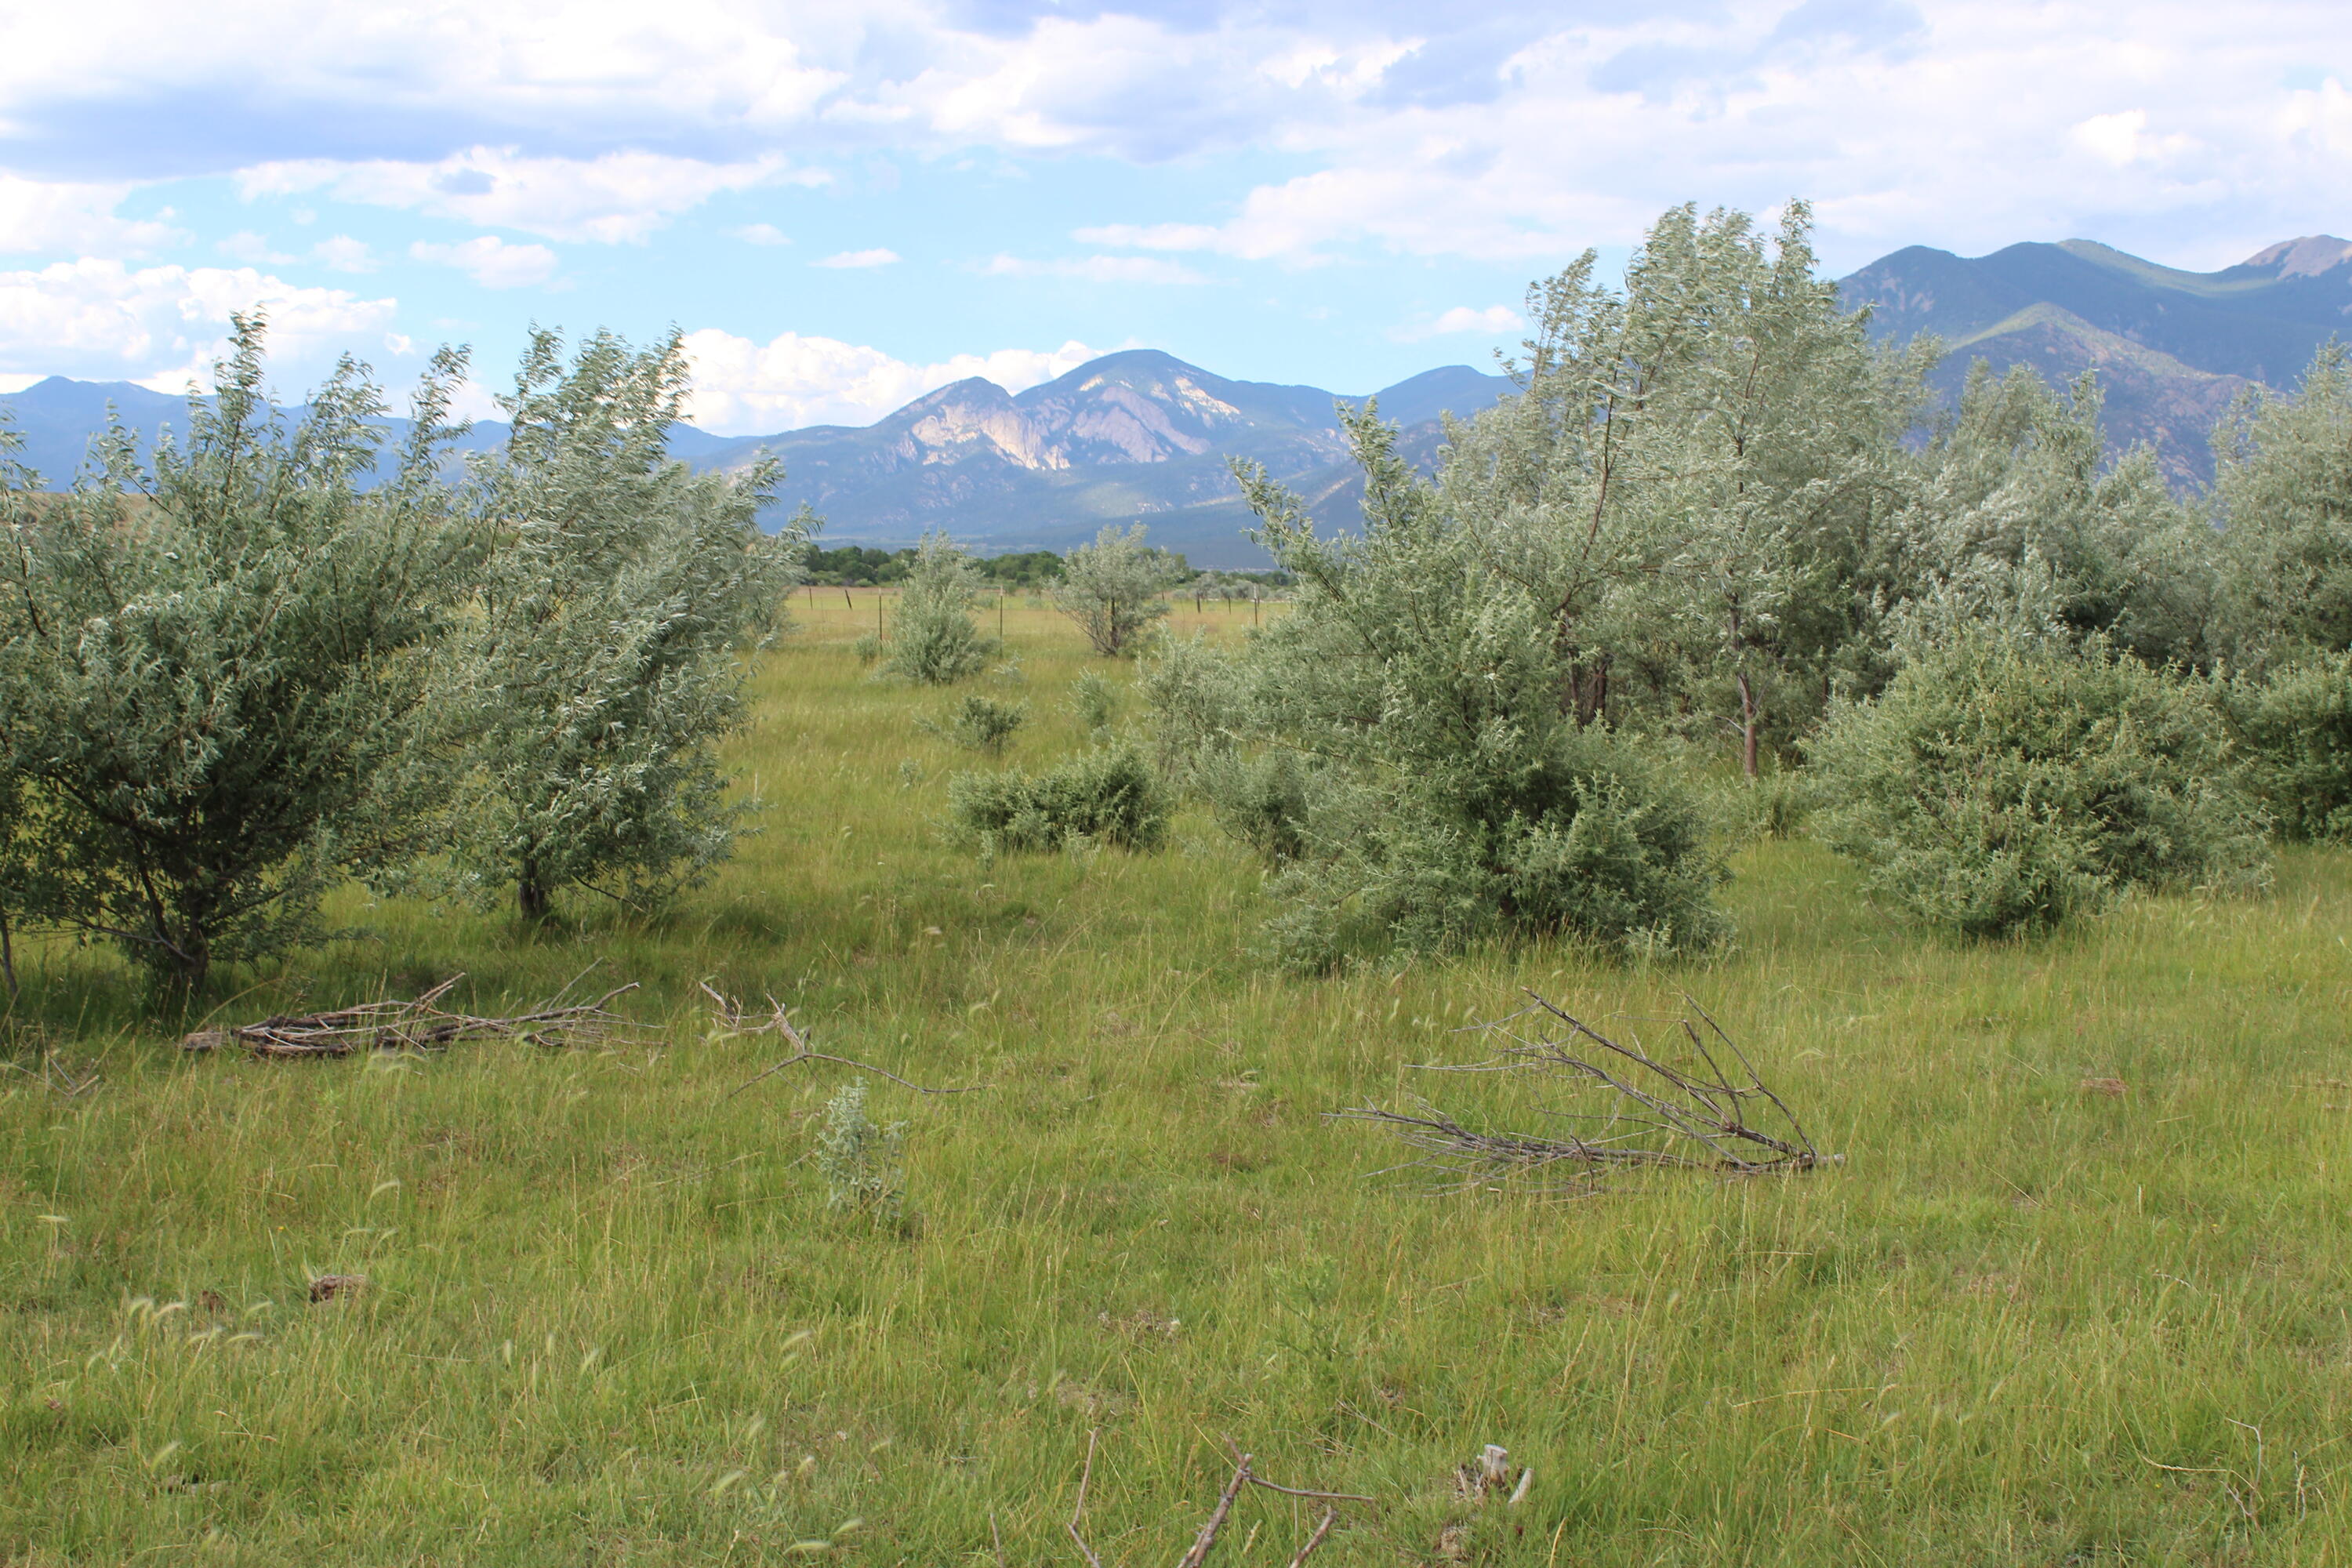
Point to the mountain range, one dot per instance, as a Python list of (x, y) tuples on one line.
[(1142, 436), (2171, 348)]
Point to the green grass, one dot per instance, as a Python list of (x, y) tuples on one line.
[(612, 1321)]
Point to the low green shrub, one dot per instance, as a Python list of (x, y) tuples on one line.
[(935, 641), (1093, 702), (862, 1164), (2295, 728), (2001, 785), (1109, 795), (981, 723), (1602, 846)]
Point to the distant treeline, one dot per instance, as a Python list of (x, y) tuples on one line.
[(864, 566)]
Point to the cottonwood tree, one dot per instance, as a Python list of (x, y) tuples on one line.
[(619, 594), (1112, 588), (215, 672)]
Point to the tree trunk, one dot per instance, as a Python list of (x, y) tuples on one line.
[(7, 955), (1747, 717), (533, 898)]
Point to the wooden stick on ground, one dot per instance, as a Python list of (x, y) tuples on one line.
[(732, 1017)]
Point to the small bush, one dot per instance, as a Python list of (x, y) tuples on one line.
[(935, 641), (981, 723), (1092, 702), (1261, 800), (861, 1162), (1604, 848), (2001, 786), (1106, 796), (2295, 728)]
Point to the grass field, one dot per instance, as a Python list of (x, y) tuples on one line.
[(611, 1320)]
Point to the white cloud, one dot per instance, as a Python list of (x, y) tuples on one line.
[(855, 258), (620, 196), (1492, 321), (344, 253), (490, 261), (1097, 269), (249, 246), (51, 216), (163, 326), (760, 234), (745, 388)]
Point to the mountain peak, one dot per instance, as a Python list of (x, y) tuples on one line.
[(2305, 258)]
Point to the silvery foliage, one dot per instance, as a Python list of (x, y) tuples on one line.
[(935, 641), (2283, 480), (1440, 787), (861, 1162), (621, 591), (1112, 588), (2018, 520), (216, 676), (1689, 484), (2004, 783)]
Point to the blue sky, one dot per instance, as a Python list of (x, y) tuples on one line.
[(844, 205)]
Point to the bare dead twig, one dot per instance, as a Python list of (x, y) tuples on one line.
[(1315, 1540), (735, 1021), (421, 1024), (1078, 1514), (1698, 1113), (1244, 1474)]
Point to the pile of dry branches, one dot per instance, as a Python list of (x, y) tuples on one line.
[(421, 1026), (732, 1019), (1694, 1113), (1244, 1475)]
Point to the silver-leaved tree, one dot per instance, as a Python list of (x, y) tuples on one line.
[(621, 592), (217, 672)]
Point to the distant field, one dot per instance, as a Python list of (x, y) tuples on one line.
[(611, 1321)]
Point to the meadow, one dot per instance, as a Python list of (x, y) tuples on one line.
[(2078, 1292)]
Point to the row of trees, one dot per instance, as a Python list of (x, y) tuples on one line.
[(1717, 515), (242, 671)]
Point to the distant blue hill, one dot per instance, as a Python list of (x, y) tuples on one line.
[(1133, 436), (2171, 348)]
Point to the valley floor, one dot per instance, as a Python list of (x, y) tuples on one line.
[(610, 1319)]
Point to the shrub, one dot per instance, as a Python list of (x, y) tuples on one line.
[(2001, 785), (2295, 726), (1092, 702), (982, 723), (861, 1162), (1440, 788), (1106, 796), (1112, 588), (1602, 846), (219, 704), (936, 642)]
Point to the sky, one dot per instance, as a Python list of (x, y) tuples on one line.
[(842, 206)]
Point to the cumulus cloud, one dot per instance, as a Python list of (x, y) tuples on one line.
[(616, 197), (490, 261), (344, 253), (1492, 321), (45, 216), (760, 234), (743, 388), (856, 258), (163, 326), (1097, 269), (1489, 130)]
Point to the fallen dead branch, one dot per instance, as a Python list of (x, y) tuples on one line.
[(421, 1024), (733, 1020), (1244, 1475), (1700, 1111)]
